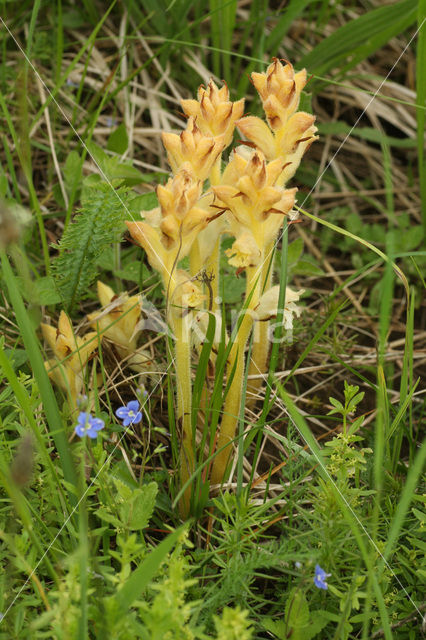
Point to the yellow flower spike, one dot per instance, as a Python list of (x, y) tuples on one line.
[(119, 321), (214, 113), (193, 147), (72, 352), (254, 199), (279, 89), (179, 221)]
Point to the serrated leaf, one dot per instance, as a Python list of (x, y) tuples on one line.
[(143, 505), (98, 224), (123, 490), (296, 610)]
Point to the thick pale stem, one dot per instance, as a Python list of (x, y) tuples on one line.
[(260, 351), (179, 322), (181, 330), (236, 368)]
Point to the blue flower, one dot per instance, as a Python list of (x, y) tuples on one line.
[(88, 425), (320, 577), (129, 414)]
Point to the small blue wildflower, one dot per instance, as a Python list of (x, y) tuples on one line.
[(88, 425), (320, 577), (129, 414)]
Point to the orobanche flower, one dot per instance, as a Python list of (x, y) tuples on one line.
[(279, 89), (179, 220), (244, 252), (289, 134), (119, 319), (73, 353), (215, 114), (120, 322), (187, 294), (257, 206), (194, 147), (268, 305)]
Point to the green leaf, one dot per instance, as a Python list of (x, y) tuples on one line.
[(306, 268), (296, 611), (277, 627), (234, 288), (118, 141), (143, 574), (104, 514), (295, 250), (359, 38), (45, 291), (143, 503), (98, 224), (72, 172), (132, 272)]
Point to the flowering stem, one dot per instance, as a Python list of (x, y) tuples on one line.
[(181, 330), (236, 369), (260, 351)]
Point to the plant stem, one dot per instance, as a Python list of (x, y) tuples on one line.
[(181, 330), (235, 369), (260, 352)]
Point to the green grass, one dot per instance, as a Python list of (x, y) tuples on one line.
[(92, 544)]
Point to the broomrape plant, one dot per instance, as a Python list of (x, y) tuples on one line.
[(205, 198)]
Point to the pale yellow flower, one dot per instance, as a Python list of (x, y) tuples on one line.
[(244, 252), (72, 352), (119, 319), (268, 305), (256, 205), (194, 147), (279, 88), (187, 293), (214, 113), (290, 133), (179, 221)]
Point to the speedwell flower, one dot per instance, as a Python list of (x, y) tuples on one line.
[(129, 414), (320, 577), (87, 425)]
